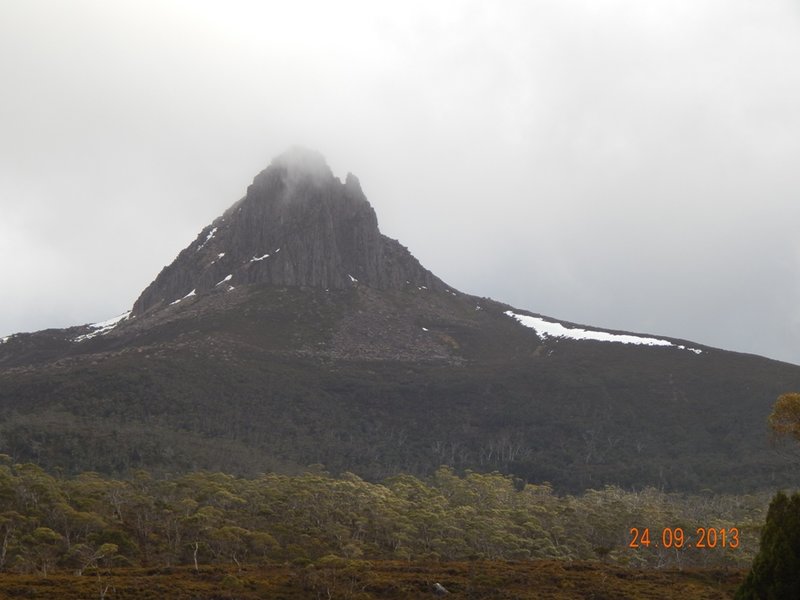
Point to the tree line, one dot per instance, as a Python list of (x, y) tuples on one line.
[(51, 522)]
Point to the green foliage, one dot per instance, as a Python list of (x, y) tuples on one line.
[(273, 387), (776, 569), (785, 416), (322, 522)]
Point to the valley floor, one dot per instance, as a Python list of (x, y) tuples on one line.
[(382, 579)]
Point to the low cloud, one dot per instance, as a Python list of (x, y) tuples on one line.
[(621, 164)]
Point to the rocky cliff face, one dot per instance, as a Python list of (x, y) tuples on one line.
[(298, 225)]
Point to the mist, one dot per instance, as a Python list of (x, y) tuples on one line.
[(619, 164)]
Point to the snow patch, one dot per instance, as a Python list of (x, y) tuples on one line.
[(228, 278), (545, 329), (3, 340), (208, 238), (111, 322), (190, 294), (424, 329), (695, 350), (220, 255), (100, 328), (353, 279), (258, 258)]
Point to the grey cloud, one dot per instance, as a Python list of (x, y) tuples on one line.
[(622, 164)]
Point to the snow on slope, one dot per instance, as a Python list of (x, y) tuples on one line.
[(545, 329), (102, 327), (189, 295), (208, 239), (264, 256)]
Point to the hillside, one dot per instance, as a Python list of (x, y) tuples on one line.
[(292, 332)]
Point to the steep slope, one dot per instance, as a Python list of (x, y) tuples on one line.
[(297, 226), (292, 332)]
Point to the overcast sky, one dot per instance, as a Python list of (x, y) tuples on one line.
[(624, 164)]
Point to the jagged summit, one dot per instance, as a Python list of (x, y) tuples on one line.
[(298, 225)]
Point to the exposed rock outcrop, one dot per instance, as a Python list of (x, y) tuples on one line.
[(298, 225)]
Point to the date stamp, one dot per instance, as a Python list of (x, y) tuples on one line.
[(675, 537)]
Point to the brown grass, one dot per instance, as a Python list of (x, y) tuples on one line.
[(363, 580)]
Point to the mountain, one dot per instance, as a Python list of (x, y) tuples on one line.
[(297, 226), (291, 332)]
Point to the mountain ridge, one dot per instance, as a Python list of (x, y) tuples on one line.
[(332, 344)]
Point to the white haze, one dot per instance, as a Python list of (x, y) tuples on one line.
[(624, 164)]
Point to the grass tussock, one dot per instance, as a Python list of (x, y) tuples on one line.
[(364, 580)]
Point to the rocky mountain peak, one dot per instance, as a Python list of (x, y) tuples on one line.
[(298, 225)]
